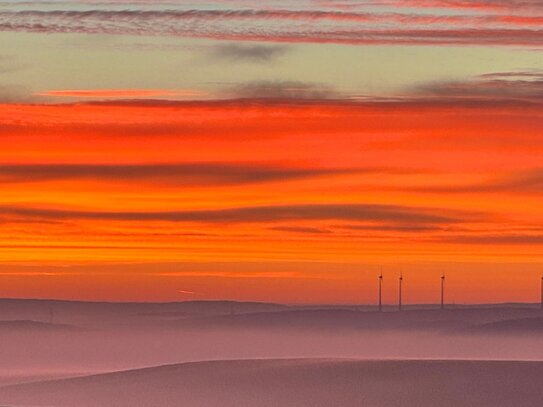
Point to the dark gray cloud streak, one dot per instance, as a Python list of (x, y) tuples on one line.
[(521, 85), (302, 229), (495, 239), (180, 174), (258, 214), (530, 182), (248, 53)]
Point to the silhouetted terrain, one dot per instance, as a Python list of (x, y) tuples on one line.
[(103, 313), (29, 326), (46, 340), (517, 326), (440, 320), (311, 383), (254, 314)]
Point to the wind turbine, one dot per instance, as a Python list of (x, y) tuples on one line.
[(381, 291), (542, 292), (400, 282), (443, 291)]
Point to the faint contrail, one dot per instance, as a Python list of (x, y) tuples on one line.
[(187, 292)]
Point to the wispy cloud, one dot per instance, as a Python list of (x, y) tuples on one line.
[(121, 93), (469, 4), (285, 90), (305, 26), (525, 182), (247, 52), (494, 239), (302, 230), (493, 88), (8, 65), (187, 292), (246, 275), (499, 86), (34, 274), (14, 94), (472, 5)]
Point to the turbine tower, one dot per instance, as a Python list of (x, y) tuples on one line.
[(443, 291), (400, 282), (381, 291), (541, 292)]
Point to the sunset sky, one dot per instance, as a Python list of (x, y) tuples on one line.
[(282, 151)]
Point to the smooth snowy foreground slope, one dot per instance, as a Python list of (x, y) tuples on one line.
[(297, 382)]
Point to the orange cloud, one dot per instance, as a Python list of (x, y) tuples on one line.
[(332, 187)]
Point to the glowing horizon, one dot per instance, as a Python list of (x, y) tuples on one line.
[(147, 157)]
